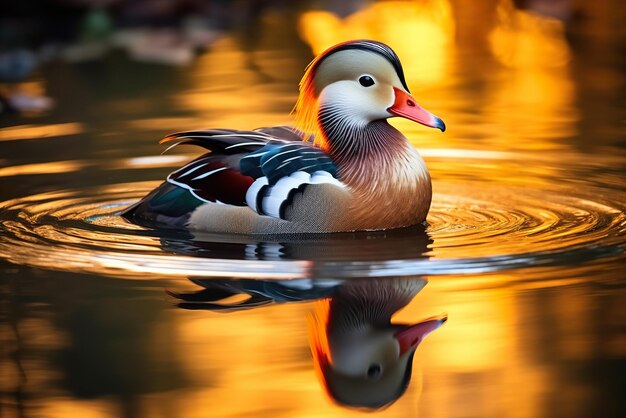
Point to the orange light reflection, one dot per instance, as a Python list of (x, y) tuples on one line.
[(535, 97), (421, 33), (42, 168), (15, 133)]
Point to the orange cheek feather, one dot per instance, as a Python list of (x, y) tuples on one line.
[(307, 104)]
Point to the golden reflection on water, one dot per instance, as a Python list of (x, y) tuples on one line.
[(236, 89), (162, 124), (421, 32), (530, 94), (506, 331), (58, 167), (259, 376), (42, 168), (149, 162), (255, 363), (70, 407), (14, 133), (523, 39), (534, 98)]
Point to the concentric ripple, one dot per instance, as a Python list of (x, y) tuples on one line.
[(474, 226), (521, 221)]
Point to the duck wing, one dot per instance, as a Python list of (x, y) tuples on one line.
[(263, 169), (216, 294)]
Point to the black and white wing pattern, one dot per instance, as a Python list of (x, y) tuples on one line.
[(263, 169)]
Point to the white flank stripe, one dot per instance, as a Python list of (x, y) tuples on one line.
[(201, 176), (274, 197), (283, 186), (324, 177), (278, 194), (271, 205), (303, 176), (253, 191), (322, 173)]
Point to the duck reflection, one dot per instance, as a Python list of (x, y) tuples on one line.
[(398, 244), (362, 358)]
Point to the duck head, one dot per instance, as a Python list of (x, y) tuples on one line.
[(353, 84), (362, 359)]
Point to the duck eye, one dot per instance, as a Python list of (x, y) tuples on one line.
[(366, 81), (373, 372)]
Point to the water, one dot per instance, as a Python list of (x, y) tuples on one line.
[(524, 248)]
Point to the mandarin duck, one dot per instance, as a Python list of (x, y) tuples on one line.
[(343, 168), (363, 360)]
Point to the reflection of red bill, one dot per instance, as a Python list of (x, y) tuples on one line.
[(410, 336)]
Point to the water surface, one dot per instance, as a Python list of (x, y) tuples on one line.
[(524, 247)]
